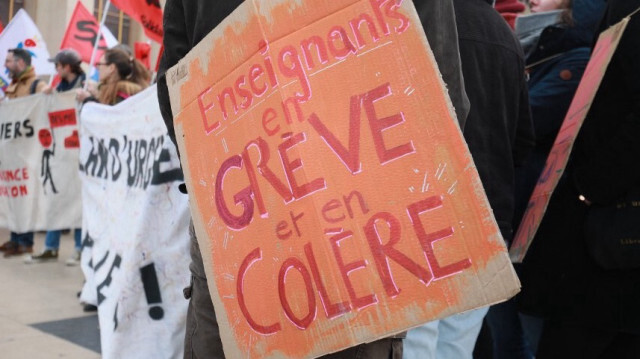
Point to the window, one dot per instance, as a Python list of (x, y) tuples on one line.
[(5, 5), (113, 21)]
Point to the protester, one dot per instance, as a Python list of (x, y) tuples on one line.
[(499, 134), (68, 67), (23, 83), (557, 58), (72, 76), (185, 24), (590, 308), (121, 76)]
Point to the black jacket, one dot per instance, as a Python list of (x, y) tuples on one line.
[(185, 24), (560, 279), (498, 131)]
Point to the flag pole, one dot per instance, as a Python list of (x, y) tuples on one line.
[(95, 46)]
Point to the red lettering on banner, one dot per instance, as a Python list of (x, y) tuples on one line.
[(13, 191), (427, 239), (350, 158), (62, 118), (378, 125), (336, 45), (332, 310), (383, 252), (347, 268), (19, 174), (295, 263), (241, 198), (251, 258), (299, 191)]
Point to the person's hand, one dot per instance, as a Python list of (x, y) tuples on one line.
[(48, 90), (82, 95), (92, 87)]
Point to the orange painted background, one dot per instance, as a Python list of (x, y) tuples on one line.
[(335, 199)]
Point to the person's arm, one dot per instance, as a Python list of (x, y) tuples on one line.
[(176, 46)]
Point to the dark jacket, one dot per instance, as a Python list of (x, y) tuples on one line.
[(560, 279), (65, 85), (498, 129), (556, 66), (191, 21)]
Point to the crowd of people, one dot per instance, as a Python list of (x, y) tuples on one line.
[(511, 90), (512, 69)]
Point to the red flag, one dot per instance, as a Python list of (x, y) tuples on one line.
[(1, 27), (146, 12), (142, 51), (160, 53), (82, 32)]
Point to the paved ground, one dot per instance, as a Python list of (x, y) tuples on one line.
[(40, 316)]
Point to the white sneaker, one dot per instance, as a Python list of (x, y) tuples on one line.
[(74, 260)]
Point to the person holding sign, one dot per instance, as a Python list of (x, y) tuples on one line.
[(67, 63), (121, 76), (589, 306), (185, 24), (23, 83)]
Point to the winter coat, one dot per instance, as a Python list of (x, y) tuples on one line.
[(77, 83), (22, 85), (560, 279), (556, 65), (498, 129)]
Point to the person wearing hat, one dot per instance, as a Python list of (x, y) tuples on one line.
[(72, 77)]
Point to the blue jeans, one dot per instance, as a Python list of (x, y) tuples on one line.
[(52, 240), (450, 337), (23, 239)]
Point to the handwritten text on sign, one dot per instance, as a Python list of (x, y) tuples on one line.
[(333, 195)]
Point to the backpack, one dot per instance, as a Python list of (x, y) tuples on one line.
[(34, 85)]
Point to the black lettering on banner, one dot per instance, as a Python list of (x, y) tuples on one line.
[(107, 281), (114, 149), (115, 318), (171, 175), (89, 27), (152, 291), (88, 242), (148, 161)]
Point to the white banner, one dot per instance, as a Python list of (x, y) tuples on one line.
[(21, 32), (136, 247), (39, 183)]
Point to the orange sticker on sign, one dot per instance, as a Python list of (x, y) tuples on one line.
[(332, 192)]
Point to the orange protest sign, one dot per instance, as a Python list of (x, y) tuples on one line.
[(332, 192), (559, 155)]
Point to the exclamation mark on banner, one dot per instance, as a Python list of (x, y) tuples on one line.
[(152, 291)]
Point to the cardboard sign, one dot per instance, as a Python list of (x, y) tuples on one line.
[(559, 155), (331, 189)]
